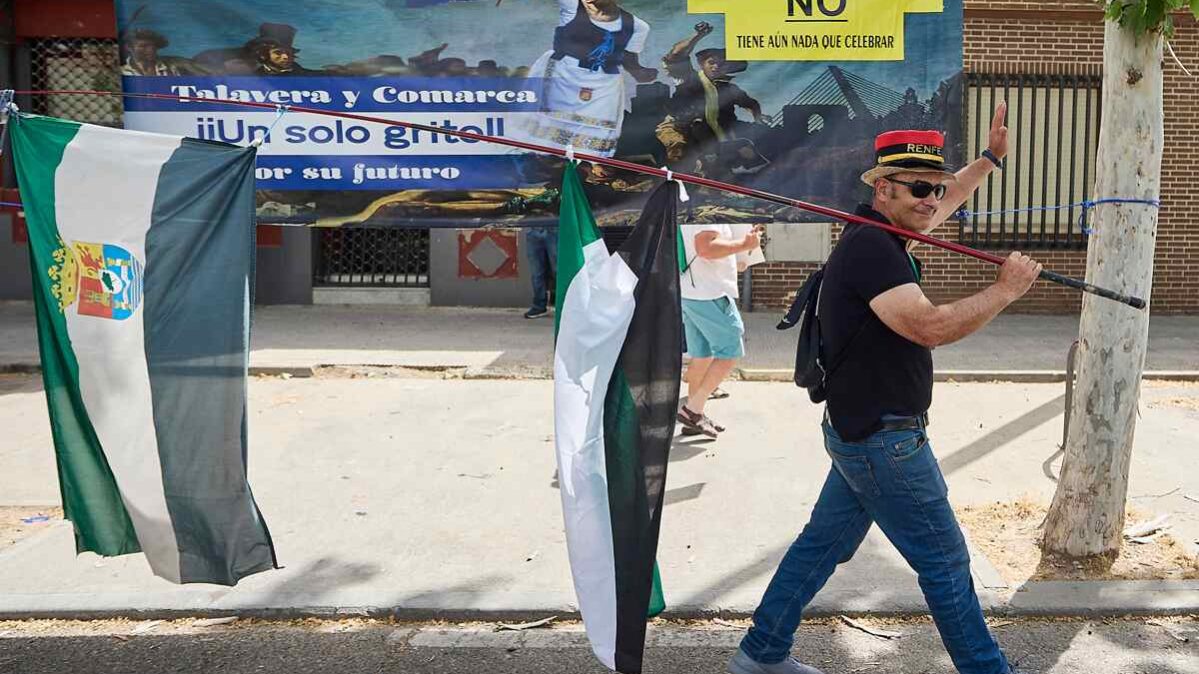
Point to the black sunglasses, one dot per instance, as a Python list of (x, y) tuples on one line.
[(921, 189)]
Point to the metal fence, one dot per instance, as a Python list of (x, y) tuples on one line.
[(372, 258), (1054, 132), (77, 64)]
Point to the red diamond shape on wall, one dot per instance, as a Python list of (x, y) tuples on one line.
[(488, 254)]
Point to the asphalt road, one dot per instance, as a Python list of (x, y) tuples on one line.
[(1037, 647)]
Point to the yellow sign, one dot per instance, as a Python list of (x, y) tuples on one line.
[(814, 30)]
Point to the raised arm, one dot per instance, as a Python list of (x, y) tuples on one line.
[(970, 177), (683, 48)]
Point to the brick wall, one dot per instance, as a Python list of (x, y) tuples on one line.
[(1050, 36)]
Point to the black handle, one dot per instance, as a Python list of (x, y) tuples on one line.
[(1134, 302)]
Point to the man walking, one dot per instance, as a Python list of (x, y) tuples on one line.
[(711, 321), (876, 319)]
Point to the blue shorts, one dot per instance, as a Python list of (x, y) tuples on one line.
[(714, 329)]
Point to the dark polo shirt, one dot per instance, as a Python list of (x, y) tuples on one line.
[(883, 372)]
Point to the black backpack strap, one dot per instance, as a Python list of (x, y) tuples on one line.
[(802, 297)]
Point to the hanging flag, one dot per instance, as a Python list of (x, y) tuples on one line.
[(142, 252), (617, 368)]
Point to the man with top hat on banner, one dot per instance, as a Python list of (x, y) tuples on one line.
[(271, 52), (879, 329), (274, 51)]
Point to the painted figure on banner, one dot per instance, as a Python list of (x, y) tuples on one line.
[(275, 52), (590, 76), (271, 52), (780, 120), (700, 130), (142, 58)]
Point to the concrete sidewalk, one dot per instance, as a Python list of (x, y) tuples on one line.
[(498, 342), (429, 497)]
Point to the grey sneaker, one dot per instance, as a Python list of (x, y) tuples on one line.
[(743, 664)]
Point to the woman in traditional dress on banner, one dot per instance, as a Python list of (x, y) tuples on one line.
[(590, 76)]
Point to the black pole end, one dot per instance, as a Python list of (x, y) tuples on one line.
[(1136, 303)]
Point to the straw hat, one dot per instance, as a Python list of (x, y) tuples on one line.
[(908, 152)]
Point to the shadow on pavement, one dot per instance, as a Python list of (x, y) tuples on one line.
[(716, 593), (319, 578), (1003, 435), (689, 448), (11, 384), (683, 494), (464, 593)]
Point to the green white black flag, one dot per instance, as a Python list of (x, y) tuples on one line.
[(617, 369)]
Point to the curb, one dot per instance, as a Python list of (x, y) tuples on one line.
[(1036, 599), (1085, 599), (1105, 598), (758, 375), (983, 376), (20, 368), (297, 372), (255, 370)]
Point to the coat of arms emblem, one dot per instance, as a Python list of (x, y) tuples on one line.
[(102, 279)]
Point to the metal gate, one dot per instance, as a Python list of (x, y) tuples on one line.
[(355, 257), (76, 64), (1054, 120)]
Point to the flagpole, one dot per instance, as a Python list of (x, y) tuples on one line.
[(688, 178)]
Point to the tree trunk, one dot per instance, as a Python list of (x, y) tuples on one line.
[(1087, 514)]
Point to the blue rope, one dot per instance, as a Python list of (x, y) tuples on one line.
[(280, 110), (8, 112), (1082, 218), (12, 204)]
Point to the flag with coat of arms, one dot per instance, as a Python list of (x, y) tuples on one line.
[(142, 253)]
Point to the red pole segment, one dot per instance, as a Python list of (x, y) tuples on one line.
[(606, 161), (639, 168)]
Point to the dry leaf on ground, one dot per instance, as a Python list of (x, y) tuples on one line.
[(1009, 534), (526, 626), (874, 631)]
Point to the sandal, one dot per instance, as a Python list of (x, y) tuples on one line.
[(718, 394), (698, 423), (690, 430)]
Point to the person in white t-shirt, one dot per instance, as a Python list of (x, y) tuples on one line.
[(590, 75), (713, 326)]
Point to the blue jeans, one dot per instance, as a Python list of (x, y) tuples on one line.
[(891, 478), (541, 244)]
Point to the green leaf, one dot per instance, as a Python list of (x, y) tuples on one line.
[(1195, 8), (1115, 12), (1147, 17)]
